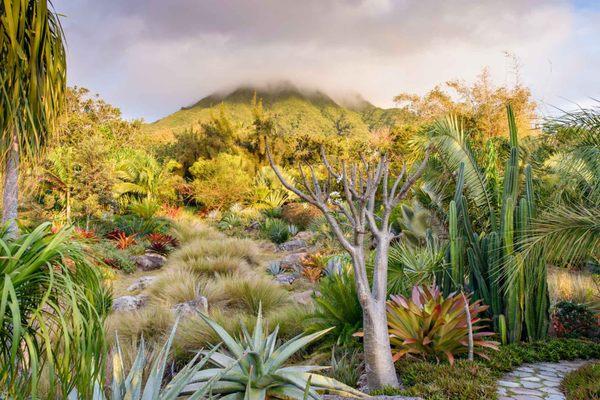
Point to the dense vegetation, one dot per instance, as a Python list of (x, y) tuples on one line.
[(437, 245)]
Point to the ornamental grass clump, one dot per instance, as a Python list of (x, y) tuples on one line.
[(430, 325), (253, 368)]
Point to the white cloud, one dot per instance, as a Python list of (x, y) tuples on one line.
[(151, 57)]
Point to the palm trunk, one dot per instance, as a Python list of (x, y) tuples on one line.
[(378, 355), (11, 190)]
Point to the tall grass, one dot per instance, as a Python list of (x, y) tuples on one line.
[(577, 287), (52, 309)]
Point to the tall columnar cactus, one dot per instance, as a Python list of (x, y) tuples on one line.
[(507, 278)]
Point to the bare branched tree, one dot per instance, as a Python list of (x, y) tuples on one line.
[(369, 196)]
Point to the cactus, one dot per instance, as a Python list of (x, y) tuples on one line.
[(511, 282)]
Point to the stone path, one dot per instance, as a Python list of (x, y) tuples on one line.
[(536, 381)]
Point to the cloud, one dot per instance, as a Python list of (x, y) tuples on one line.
[(150, 57)]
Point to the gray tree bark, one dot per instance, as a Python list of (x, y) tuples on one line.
[(10, 196), (361, 185)]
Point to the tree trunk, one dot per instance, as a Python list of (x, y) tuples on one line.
[(378, 356), (11, 191)]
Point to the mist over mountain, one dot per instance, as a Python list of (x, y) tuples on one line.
[(293, 109)]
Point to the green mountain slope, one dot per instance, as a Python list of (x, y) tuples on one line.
[(294, 112)]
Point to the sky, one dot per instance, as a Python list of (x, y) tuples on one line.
[(151, 57)]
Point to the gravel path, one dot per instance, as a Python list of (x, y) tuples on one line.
[(536, 381)]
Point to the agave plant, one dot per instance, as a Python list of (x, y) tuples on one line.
[(427, 324), (133, 386), (253, 368)]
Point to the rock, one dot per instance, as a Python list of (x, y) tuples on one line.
[(307, 236), (129, 303), (199, 304), (304, 298), (293, 245), (285, 278), (141, 284), (149, 261), (293, 261)]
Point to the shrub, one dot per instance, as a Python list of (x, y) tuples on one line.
[(427, 324), (300, 214), (477, 380), (583, 383), (259, 371), (337, 306), (145, 209), (225, 247), (176, 286), (221, 181), (573, 320), (276, 230), (113, 257), (565, 285), (134, 225)]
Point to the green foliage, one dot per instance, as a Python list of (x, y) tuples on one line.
[(337, 306), (222, 181), (141, 175), (52, 312), (468, 380), (275, 230), (493, 262), (253, 367), (413, 265), (133, 225), (145, 209), (583, 383), (429, 325), (574, 320), (113, 257), (33, 65)]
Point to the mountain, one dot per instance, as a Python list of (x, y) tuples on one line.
[(293, 110)]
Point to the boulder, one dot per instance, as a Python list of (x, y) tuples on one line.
[(149, 261), (285, 278), (293, 261), (292, 245), (199, 304), (141, 283), (129, 303)]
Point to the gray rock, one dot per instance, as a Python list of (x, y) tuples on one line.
[(129, 303), (293, 245), (293, 261), (199, 304), (285, 278), (149, 261), (141, 283)]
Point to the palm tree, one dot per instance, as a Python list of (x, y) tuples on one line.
[(32, 87), (569, 230)]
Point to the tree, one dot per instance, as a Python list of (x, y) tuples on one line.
[(32, 87), (366, 214)]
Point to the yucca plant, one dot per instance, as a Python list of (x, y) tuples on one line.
[(430, 325), (134, 385), (253, 368), (52, 309), (276, 230)]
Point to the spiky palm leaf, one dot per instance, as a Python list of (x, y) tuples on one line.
[(451, 142), (568, 234)]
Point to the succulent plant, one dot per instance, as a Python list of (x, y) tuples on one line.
[(253, 368), (429, 324), (274, 268)]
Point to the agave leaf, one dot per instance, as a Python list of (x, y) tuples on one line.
[(284, 352)]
